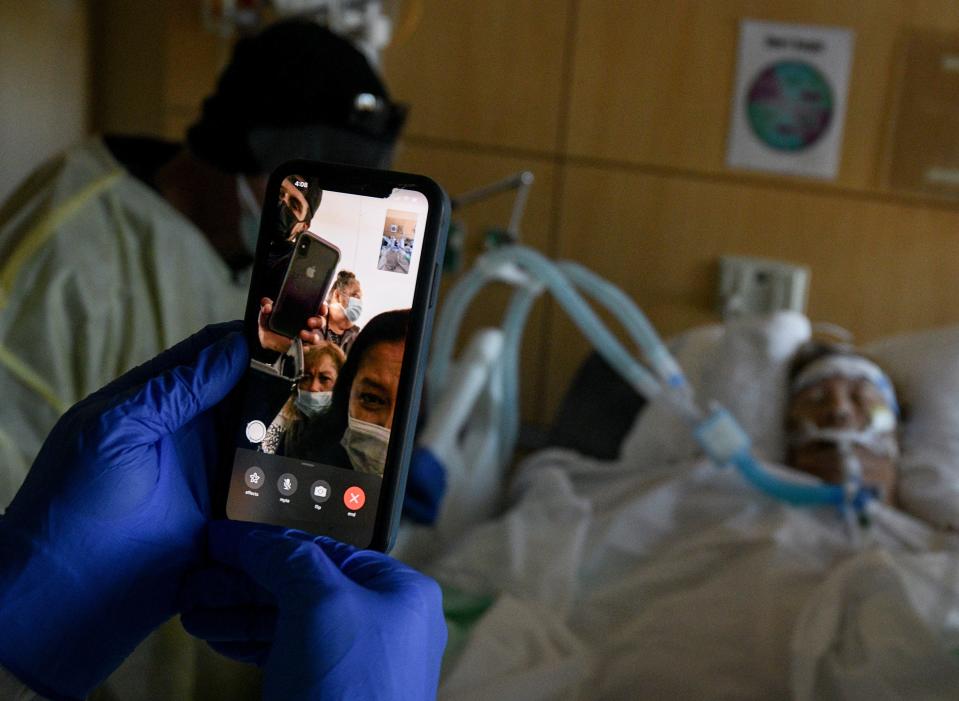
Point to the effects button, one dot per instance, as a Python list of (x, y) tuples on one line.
[(254, 478)]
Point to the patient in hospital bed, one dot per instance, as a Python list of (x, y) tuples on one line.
[(841, 418), (650, 573)]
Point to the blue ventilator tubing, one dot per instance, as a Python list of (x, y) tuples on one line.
[(545, 272), (634, 321), (726, 443), (717, 431)]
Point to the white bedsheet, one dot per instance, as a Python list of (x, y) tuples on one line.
[(682, 582)]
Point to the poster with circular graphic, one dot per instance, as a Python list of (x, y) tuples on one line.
[(789, 105)]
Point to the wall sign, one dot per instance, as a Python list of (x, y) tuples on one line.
[(789, 102)]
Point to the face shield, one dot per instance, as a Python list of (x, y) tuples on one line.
[(367, 139)]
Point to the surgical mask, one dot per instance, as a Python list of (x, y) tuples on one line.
[(366, 445), (249, 215), (312, 403), (353, 309)]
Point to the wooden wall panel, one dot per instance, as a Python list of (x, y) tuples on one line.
[(194, 58), (153, 63), (878, 268), (484, 72), (459, 170), (128, 66), (652, 81)]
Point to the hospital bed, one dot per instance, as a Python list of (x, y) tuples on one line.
[(620, 562)]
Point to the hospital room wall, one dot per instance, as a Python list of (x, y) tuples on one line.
[(622, 110), (153, 63), (44, 83)]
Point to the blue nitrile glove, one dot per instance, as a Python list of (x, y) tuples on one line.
[(95, 544), (328, 621), (425, 487)]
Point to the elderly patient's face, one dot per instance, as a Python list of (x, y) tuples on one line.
[(839, 403)]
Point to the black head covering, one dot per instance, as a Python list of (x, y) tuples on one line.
[(296, 90), (310, 188)]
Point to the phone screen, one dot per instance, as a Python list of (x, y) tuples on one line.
[(328, 335)]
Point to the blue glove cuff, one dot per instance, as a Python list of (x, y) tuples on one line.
[(28, 634)]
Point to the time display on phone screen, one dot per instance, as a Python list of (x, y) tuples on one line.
[(334, 287)]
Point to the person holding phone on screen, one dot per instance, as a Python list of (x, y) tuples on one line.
[(298, 201)]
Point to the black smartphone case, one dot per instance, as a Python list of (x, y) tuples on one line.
[(305, 284)]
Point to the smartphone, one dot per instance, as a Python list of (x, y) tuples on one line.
[(323, 430), (305, 284)]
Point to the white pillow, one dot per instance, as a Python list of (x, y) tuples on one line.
[(743, 365), (925, 369)]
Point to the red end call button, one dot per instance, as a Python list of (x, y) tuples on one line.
[(354, 498)]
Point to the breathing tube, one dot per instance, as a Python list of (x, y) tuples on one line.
[(715, 429)]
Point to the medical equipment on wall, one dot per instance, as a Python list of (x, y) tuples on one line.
[(473, 419), (521, 182)]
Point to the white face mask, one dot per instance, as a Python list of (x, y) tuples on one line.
[(353, 309), (249, 215), (312, 403), (366, 445)]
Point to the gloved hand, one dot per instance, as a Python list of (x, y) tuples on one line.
[(326, 620), (95, 544), (425, 487)]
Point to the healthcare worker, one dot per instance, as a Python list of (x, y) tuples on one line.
[(109, 536), (120, 247)]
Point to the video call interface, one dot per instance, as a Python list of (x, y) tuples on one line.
[(328, 339)]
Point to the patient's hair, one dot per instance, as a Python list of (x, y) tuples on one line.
[(811, 351), (343, 282), (331, 350)]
